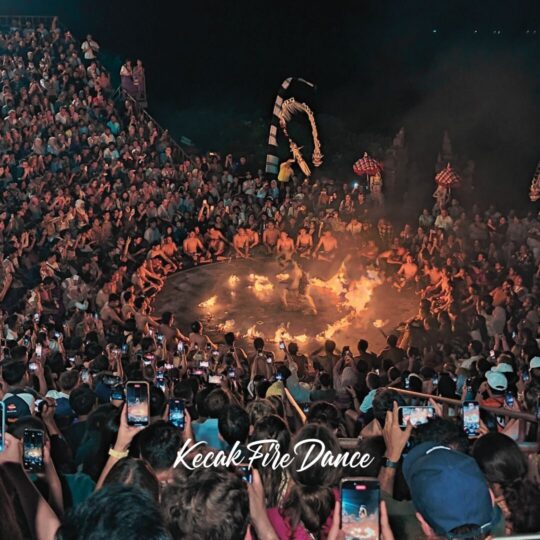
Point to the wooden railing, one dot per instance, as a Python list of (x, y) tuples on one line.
[(523, 417)]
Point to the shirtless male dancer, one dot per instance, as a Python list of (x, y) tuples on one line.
[(241, 243), (270, 238), (326, 249), (284, 248), (304, 243), (194, 248)]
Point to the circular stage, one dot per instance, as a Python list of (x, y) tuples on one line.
[(245, 297)]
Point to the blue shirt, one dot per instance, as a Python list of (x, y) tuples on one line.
[(208, 431), (367, 403)]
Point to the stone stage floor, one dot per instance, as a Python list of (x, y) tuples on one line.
[(244, 296)]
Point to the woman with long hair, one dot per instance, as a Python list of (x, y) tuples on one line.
[(308, 505), (506, 469), (274, 480)]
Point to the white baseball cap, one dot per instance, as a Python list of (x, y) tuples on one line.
[(496, 380), (535, 363)]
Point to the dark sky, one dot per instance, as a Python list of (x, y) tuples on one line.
[(213, 66)]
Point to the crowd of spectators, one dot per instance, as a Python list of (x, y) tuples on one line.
[(96, 211)]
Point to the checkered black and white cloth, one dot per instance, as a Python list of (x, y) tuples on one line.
[(272, 160)]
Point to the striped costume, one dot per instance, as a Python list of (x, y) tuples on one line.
[(272, 160)]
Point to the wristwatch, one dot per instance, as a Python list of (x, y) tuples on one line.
[(389, 464)]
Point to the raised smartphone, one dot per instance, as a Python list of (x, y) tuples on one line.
[(360, 499), (177, 413), (471, 418), (33, 443), (416, 415), (138, 407)]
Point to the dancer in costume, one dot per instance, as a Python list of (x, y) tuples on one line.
[(296, 295)]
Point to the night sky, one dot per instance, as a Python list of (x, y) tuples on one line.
[(213, 69)]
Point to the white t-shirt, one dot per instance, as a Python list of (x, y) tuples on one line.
[(88, 48)]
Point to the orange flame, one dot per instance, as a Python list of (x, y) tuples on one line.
[(252, 332), (354, 297), (227, 326), (211, 302), (261, 286)]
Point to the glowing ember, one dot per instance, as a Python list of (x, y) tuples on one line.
[(252, 332), (227, 326), (233, 281), (211, 302)]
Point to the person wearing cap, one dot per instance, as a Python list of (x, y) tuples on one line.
[(491, 393), (67, 381), (19, 398), (450, 493), (534, 368)]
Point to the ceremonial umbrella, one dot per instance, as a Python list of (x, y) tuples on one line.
[(448, 178), (367, 165), (534, 192)]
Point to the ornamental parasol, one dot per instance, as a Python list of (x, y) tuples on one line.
[(534, 192), (367, 165), (448, 178)]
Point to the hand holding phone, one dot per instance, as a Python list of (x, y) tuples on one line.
[(471, 418), (138, 405), (177, 413), (33, 444), (247, 473), (360, 500), (415, 415)]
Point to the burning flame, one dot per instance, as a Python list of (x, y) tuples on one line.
[(211, 302), (227, 326), (379, 323), (261, 286), (283, 334), (354, 296), (335, 327), (252, 332), (233, 281)]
